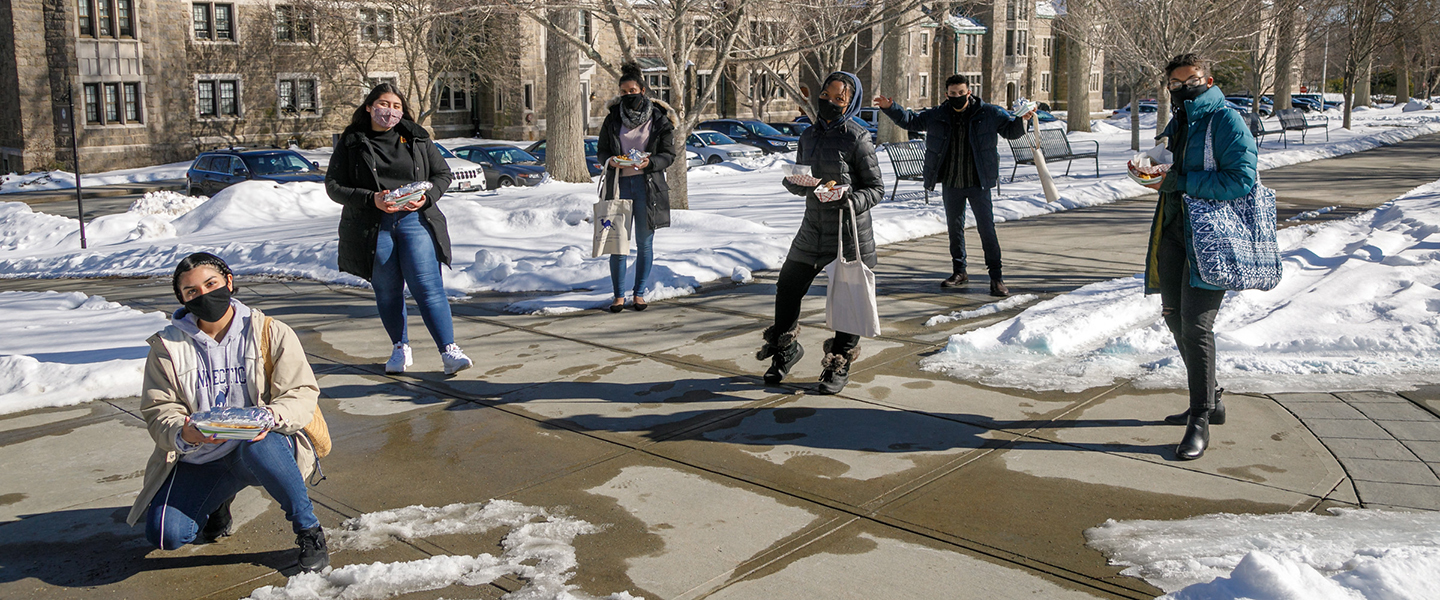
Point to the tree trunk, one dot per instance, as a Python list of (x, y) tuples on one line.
[(1162, 108), (1135, 117), (1362, 82), (891, 82), (564, 121), (1077, 92), (1402, 88), (1285, 55), (678, 175)]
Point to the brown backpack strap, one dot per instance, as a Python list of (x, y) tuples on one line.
[(265, 351)]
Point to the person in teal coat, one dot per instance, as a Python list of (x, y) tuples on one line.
[(1188, 304)]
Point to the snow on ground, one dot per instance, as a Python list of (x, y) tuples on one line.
[(537, 549), (1358, 308), (1351, 555), (63, 349), (538, 238), (61, 180)]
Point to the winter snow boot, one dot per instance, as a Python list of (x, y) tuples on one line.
[(1217, 416), (314, 554), (1197, 437), (220, 524), (956, 280), (837, 369), (783, 350), (998, 288)]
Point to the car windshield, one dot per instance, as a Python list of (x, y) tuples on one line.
[(759, 128), (592, 147), (510, 156), (277, 163), (712, 138), (445, 152)]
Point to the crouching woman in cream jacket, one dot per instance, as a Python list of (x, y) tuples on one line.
[(211, 357)]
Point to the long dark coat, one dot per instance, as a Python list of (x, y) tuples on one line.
[(987, 125), (661, 147), (841, 153)]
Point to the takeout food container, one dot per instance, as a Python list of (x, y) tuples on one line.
[(409, 192), (1149, 167), (233, 423), (634, 157), (791, 170)]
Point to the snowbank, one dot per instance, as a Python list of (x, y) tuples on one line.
[(63, 349), (61, 180), (1352, 555), (1358, 308), (538, 549)]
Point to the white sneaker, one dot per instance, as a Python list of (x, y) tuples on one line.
[(399, 359), (455, 360)]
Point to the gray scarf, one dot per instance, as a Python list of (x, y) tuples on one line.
[(633, 118)]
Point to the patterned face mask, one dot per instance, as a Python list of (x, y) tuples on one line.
[(385, 117)]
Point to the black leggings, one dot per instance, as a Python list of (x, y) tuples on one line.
[(1190, 314), (795, 280)]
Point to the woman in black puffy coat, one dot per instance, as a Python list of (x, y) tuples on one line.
[(837, 149)]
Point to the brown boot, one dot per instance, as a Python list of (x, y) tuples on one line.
[(998, 289), (955, 280)]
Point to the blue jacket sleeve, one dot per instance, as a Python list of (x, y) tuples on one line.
[(1010, 126), (1236, 162), (908, 119)]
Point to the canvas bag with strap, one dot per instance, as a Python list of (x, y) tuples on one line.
[(1234, 240), (612, 220), (850, 296), (317, 431)]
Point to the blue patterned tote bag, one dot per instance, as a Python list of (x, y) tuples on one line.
[(1234, 240)]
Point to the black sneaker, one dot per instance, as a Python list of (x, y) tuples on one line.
[(220, 524), (314, 554)]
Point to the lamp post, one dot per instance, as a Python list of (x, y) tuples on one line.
[(67, 117)]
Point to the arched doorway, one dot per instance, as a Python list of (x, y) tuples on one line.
[(1010, 94)]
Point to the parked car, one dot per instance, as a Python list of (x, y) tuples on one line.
[(874, 131), (592, 151), (1266, 106), (1146, 106), (504, 165), (1327, 104), (754, 133), (218, 169), (791, 128), (692, 159), (715, 147), (465, 176)]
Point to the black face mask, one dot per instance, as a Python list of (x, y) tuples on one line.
[(827, 110), (210, 306), (634, 102), (958, 103), (1187, 92)]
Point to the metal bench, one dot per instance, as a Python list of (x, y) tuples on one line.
[(1056, 146), (1291, 119), (1256, 124), (908, 161)]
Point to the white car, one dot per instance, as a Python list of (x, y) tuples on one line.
[(692, 159), (714, 147), (465, 176)]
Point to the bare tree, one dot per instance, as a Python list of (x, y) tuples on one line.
[(1083, 28), (1361, 20), (564, 122)]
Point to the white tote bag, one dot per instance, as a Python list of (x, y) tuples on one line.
[(612, 222), (850, 297)]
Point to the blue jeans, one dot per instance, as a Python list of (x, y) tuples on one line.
[(180, 509), (405, 255), (979, 199), (633, 188)]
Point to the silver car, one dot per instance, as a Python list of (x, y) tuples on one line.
[(692, 159), (715, 147)]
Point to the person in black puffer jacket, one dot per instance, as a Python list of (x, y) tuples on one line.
[(394, 245), (836, 149)]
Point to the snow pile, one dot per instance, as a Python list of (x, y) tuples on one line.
[(1352, 555), (1415, 105), (62, 180), (1311, 214), (1358, 308), (538, 549), (988, 309), (167, 203), (63, 349)]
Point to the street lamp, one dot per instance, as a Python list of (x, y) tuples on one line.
[(67, 119)]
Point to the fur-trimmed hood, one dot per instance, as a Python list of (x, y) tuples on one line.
[(669, 112)]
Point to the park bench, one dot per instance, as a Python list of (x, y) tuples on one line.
[(1056, 146), (908, 161), (1257, 128), (1291, 119)]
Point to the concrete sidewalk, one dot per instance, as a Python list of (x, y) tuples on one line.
[(708, 484)]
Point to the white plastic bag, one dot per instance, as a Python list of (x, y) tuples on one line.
[(850, 297)]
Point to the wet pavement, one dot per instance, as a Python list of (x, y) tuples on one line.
[(706, 483)]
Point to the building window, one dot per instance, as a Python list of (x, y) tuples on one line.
[(659, 86), (218, 97), (125, 18), (703, 36), (86, 19), (1044, 82), (1022, 42), (298, 95), (132, 102), (1094, 82), (104, 15), (1047, 46), (529, 96), (1022, 10), (701, 80), (293, 24), (974, 79), (92, 103), (924, 44), (641, 40), (377, 25), (1009, 42), (587, 27), (924, 86), (214, 21), (1010, 11), (972, 45), (451, 94)]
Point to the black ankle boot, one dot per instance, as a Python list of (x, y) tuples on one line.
[(220, 524), (783, 350), (837, 369), (1197, 437), (1217, 416), (314, 553)]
